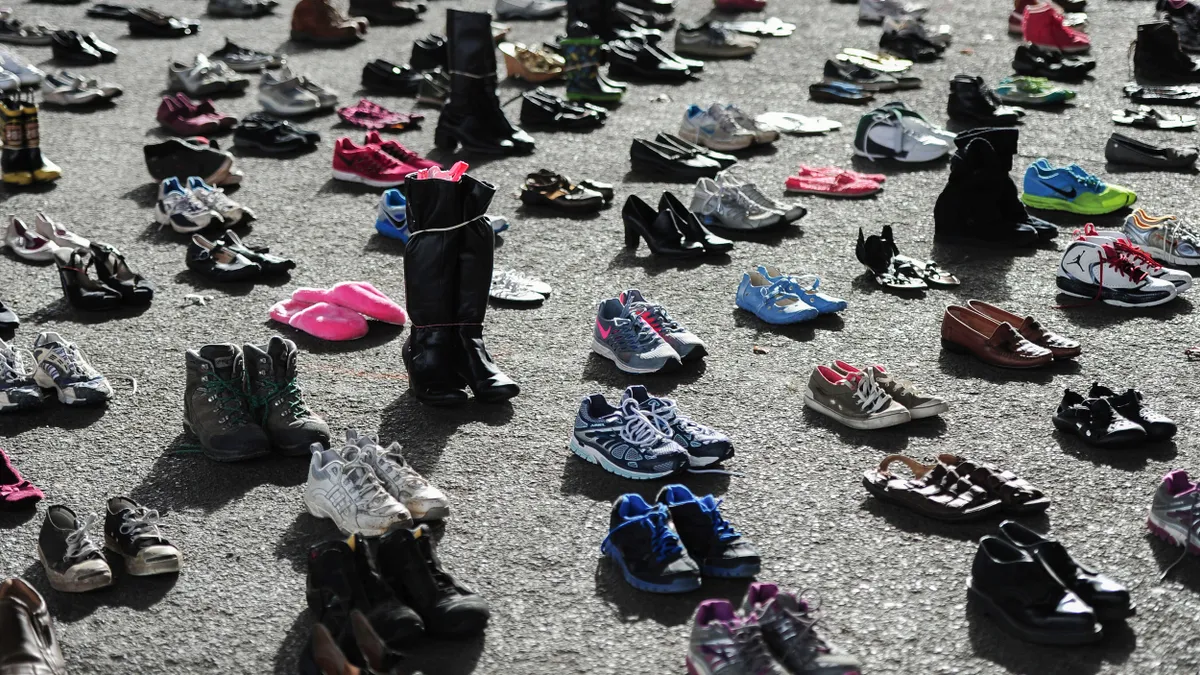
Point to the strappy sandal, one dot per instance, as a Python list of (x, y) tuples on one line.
[(531, 65), (876, 254), (546, 188), (81, 290), (1016, 494), (1145, 117), (115, 273), (925, 270), (937, 491)]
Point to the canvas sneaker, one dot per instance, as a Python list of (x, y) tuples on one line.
[(391, 219), (423, 500), (1166, 238), (1102, 272), (623, 441), (712, 40), (1045, 27), (624, 338), (646, 549), (1175, 514), (884, 134), (723, 643), (855, 400), (131, 531), (348, 492), (285, 97), (719, 132), (875, 11), (180, 208), (730, 207), (789, 627), (73, 562), (218, 202), (63, 368), (684, 342), (1139, 257), (918, 403), (705, 446), (18, 390), (203, 77)]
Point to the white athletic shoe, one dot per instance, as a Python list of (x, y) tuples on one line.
[(1141, 258), (63, 368), (203, 77), (1102, 272), (66, 91), (718, 132), (883, 134), (402, 482), (350, 494), (326, 96), (180, 208), (217, 202)]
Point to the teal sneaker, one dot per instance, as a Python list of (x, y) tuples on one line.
[(1032, 91)]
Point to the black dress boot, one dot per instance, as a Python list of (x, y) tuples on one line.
[(968, 208), (413, 570), (1158, 57), (1004, 142), (472, 116)]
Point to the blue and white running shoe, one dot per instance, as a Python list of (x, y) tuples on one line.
[(773, 301), (805, 287), (704, 445), (60, 366), (714, 129), (623, 441), (624, 337), (499, 223), (392, 220), (644, 546)]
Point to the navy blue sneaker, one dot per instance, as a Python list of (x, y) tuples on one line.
[(623, 441), (642, 543), (705, 446), (710, 540), (392, 220)]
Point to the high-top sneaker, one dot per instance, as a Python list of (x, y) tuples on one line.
[(14, 162), (1101, 272), (583, 67), (412, 568), (216, 407), (276, 399), (971, 100), (1158, 57), (1044, 26), (976, 178), (43, 169)]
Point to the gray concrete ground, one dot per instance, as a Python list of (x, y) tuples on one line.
[(528, 516)]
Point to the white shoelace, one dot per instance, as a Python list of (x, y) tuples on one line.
[(79, 543), (638, 430), (870, 397), (141, 523)]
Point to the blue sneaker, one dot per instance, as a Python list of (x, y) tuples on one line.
[(1072, 189), (499, 223), (709, 539), (805, 287), (643, 545), (391, 220), (705, 446), (772, 301), (622, 441)]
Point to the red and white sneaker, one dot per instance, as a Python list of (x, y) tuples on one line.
[(368, 165), (400, 152), (740, 5), (836, 185), (1016, 20), (1137, 255), (1044, 26)]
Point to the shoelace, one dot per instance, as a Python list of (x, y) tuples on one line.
[(1175, 231), (275, 394), (364, 486), (724, 530), (664, 543), (870, 397), (141, 523), (12, 366), (659, 313), (735, 197), (70, 355), (214, 196), (229, 398), (394, 463), (725, 121), (79, 543), (1193, 528), (186, 202), (1138, 255), (752, 648), (807, 635), (638, 431)]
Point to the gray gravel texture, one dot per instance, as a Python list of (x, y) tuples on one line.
[(528, 516)]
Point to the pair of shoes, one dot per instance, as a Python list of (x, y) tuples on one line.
[(784, 299), (323, 22), (241, 9), (147, 22), (1158, 56), (25, 617), (540, 108), (668, 547), (74, 47), (1032, 91), (866, 78), (288, 93), (39, 243), (241, 411), (196, 156), (1046, 27), (1106, 419), (867, 398), (1105, 265), (58, 366), (389, 78), (15, 492), (1002, 338), (204, 78), (115, 283), (18, 72), (1037, 61), (370, 115), (512, 286), (672, 158), (880, 255), (70, 89), (897, 133), (671, 231), (193, 205), (339, 313), (1167, 238), (181, 115), (641, 337), (831, 181), (546, 188), (75, 564), (532, 63), (679, 441), (227, 259), (377, 163), (260, 132), (723, 128), (581, 57), (22, 161), (1072, 189), (369, 490), (1038, 592), (1122, 149), (1145, 117), (530, 9), (912, 39), (954, 489), (713, 40), (775, 633), (387, 12), (972, 101)]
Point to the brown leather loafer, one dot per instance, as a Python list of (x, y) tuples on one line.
[(28, 644), (966, 331), (1060, 346)]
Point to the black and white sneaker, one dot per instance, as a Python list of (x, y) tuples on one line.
[(182, 209), (705, 446), (131, 530), (882, 134), (244, 59), (18, 390), (73, 562), (1096, 422), (214, 261), (863, 78)]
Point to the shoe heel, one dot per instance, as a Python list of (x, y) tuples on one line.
[(632, 237), (444, 140), (954, 347)]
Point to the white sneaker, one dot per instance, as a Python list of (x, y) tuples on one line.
[(730, 207), (349, 493), (529, 9), (719, 133), (883, 135), (326, 96), (178, 207), (26, 74), (285, 96), (874, 11), (1138, 256), (1167, 238), (62, 367), (217, 202), (203, 77), (402, 482), (27, 243), (512, 286), (57, 233), (109, 89), (65, 91), (1101, 272), (762, 135), (731, 179)]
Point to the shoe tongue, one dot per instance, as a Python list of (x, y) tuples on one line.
[(224, 359), (283, 355)]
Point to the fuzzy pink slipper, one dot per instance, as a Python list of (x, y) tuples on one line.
[(15, 491), (326, 321), (359, 296)]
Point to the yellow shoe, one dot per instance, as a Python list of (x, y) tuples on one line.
[(47, 172)]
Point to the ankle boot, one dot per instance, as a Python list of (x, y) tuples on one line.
[(216, 407), (472, 116), (583, 71), (14, 162), (1158, 57), (276, 399), (411, 566), (429, 52), (971, 100), (968, 209), (1004, 144)]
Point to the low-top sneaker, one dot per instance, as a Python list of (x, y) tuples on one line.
[(348, 492), (856, 400), (286, 97), (1138, 256), (705, 446), (723, 642), (1072, 189), (684, 342), (1167, 238), (63, 368), (72, 560), (18, 390), (730, 207), (717, 132), (244, 59), (646, 549), (423, 500), (218, 202), (712, 40), (391, 219), (1175, 513), (180, 208), (883, 134), (367, 164), (773, 301), (710, 540), (399, 152), (623, 441), (1130, 405), (789, 211), (325, 95), (624, 338), (131, 531), (918, 403), (789, 626)]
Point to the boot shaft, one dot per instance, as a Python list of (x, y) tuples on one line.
[(583, 62), (469, 43), (215, 390), (1157, 52), (406, 570)]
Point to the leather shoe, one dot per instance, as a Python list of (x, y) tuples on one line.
[(1060, 346), (965, 331)]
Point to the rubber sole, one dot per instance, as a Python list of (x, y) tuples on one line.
[(65, 396), (355, 178), (139, 567), (988, 607), (597, 457), (1056, 204), (746, 571), (854, 423), (960, 517), (61, 582), (1171, 534), (318, 512), (835, 195), (931, 411), (1079, 289), (601, 349), (682, 585), (698, 139), (959, 349)]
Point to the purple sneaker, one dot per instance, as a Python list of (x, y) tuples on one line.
[(723, 643), (789, 628), (1175, 513)]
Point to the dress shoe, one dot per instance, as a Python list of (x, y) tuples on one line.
[(965, 331)]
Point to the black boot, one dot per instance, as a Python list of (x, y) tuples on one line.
[(968, 208), (1158, 57), (472, 116), (1004, 143), (971, 100), (412, 568)]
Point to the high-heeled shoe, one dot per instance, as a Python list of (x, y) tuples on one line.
[(82, 291), (660, 229), (691, 227), (114, 272)]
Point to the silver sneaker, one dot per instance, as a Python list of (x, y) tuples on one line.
[(1175, 514), (423, 501), (1166, 238), (762, 135), (628, 341), (731, 179), (348, 492), (62, 367), (730, 208)]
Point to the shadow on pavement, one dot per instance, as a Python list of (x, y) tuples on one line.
[(53, 414), (287, 658), (136, 593), (910, 521), (1187, 572), (305, 532), (633, 605), (1121, 458), (61, 310), (424, 430), (605, 374), (653, 265), (183, 478), (890, 439), (967, 366), (581, 477), (1089, 314)]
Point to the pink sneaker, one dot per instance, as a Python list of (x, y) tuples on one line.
[(833, 172), (368, 165), (840, 185), (15, 491), (400, 152)]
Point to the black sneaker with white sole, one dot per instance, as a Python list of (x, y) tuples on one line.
[(131, 530), (244, 59), (73, 562)]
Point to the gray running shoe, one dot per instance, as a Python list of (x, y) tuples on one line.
[(1165, 238), (724, 643), (686, 344), (61, 367), (628, 341), (423, 501), (762, 135), (244, 59), (731, 179), (18, 390), (730, 207), (1175, 514), (712, 40), (789, 627), (623, 441), (855, 400)]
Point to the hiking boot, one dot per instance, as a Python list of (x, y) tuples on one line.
[(216, 407), (413, 570), (321, 22), (276, 401), (1158, 57)]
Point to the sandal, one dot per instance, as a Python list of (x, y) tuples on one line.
[(546, 188), (925, 270), (876, 253), (1173, 94), (937, 491), (531, 65), (1145, 117), (1016, 494)]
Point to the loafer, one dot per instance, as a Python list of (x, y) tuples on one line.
[(965, 331), (650, 157), (1060, 346), (1122, 149), (724, 160)]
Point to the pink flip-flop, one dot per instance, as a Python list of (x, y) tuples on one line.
[(359, 296), (321, 319)]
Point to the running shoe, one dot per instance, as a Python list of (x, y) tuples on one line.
[(512, 286), (63, 368), (347, 491), (1175, 514), (732, 179), (789, 627), (217, 202), (423, 500), (1072, 189), (684, 342), (644, 546), (624, 338), (723, 643), (710, 540), (391, 220), (243, 59), (705, 446), (178, 207), (804, 286), (716, 132), (367, 164), (18, 390), (1136, 255), (1031, 91), (1166, 238), (623, 441)]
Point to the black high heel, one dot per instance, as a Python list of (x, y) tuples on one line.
[(82, 291), (115, 273), (660, 229), (691, 227)]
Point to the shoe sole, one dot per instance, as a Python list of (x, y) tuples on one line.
[(145, 568), (318, 512), (1056, 204), (683, 585), (835, 195), (60, 582), (355, 178), (597, 457), (1171, 533), (698, 139), (929, 411), (603, 350), (1088, 294), (990, 608), (274, 109), (855, 423)]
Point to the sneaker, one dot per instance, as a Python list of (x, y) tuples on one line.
[(730, 207), (65, 91), (244, 59), (684, 342), (1101, 272), (391, 219), (866, 79), (423, 501), (1032, 91), (73, 562), (789, 627), (856, 400), (789, 212), (368, 165), (203, 77), (348, 493), (179, 207), (623, 441), (187, 157), (63, 368), (875, 11), (1175, 514), (215, 199), (883, 134), (717, 133), (644, 546), (1139, 257), (18, 390), (710, 540), (723, 643), (773, 301), (286, 97), (713, 41), (325, 95), (1072, 189), (512, 286), (131, 530), (628, 341), (27, 75), (1166, 238), (919, 404), (399, 152), (705, 446), (1043, 26), (915, 122)]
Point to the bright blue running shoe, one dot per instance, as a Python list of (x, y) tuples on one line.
[(643, 545), (772, 301), (623, 441), (805, 287), (1072, 189), (392, 221)]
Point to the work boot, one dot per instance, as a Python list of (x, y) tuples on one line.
[(583, 69), (14, 162), (472, 116), (320, 21), (411, 566), (276, 400), (28, 644), (968, 208), (1158, 57), (384, 12), (216, 407)]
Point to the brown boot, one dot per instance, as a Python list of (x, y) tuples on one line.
[(322, 22)]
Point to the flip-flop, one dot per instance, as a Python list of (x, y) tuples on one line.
[(801, 125), (323, 320), (1145, 117), (772, 27), (1173, 94), (358, 296), (879, 62)]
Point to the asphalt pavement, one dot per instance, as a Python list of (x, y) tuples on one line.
[(528, 516)]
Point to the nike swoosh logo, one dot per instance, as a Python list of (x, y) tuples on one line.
[(1068, 194), (603, 331)]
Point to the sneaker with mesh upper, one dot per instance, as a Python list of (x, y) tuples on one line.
[(684, 342), (705, 446), (714, 129), (347, 491), (218, 202), (18, 390), (182, 209), (712, 541), (730, 207), (789, 211), (62, 367), (627, 340), (854, 399), (1175, 513), (623, 441), (423, 500), (368, 165), (1167, 238), (724, 643), (646, 549), (789, 626)]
